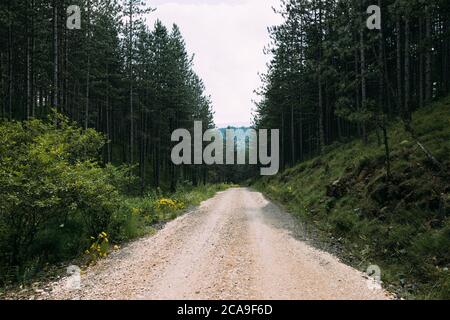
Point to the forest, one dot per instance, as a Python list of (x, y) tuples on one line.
[(86, 117), (332, 78), (115, 75), (363, 116)]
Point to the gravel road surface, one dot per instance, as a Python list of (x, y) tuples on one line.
[(237, 245)]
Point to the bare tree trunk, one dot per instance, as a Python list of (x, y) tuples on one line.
[(172, 168), (421, 67), (357, 90), (2, 81), (66, 76), (428, 59), (88, 71), (300, 129), (446, 54), (399, 65), (55, 55), (158, 155), (381, 100), (130, 57), (363, 84), (406, 111), (386, 148), (28, 31), (320, 111), (382, 69), (108, 115), (319, 75), (33, 50), (283, 147), (10, 63), (86, 107), (440, 48), (142, 150), (292, 136)]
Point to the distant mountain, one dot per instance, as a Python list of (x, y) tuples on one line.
[(241, 132), (234, 128)]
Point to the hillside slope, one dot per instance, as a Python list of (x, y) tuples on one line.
[(401, 225)]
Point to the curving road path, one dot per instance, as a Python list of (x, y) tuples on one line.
[(236, 245)]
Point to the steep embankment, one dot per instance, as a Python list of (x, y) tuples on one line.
[(402, 225)]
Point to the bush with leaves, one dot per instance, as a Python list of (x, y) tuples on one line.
[(53, 192)]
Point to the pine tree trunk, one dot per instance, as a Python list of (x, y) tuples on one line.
[(283, 150), (158, 155), (292, 136), (130, 57), (319, 75), (33, 50), (399, 66), (108, 115), (446, 54), (421, 67), (88, 66), (406, 111), (382, 70), (300, 129), (87, 97), (142, 151), (363, 85), (10, 64), (61, 57), (174, 177), (386, 148), (28, 31), (3, 90), (320, 111), (428, 59), (440, 49), (381, 100), (55, 55), (357, 90)]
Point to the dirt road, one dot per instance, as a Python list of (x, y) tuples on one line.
[(237, 245)]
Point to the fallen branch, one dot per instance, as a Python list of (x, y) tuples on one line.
[(427, 152), (430, 156)]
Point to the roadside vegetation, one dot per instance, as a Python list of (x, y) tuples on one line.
[(401, 223), (58, 201)]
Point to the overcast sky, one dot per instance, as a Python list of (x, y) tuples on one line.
[(227, 38)]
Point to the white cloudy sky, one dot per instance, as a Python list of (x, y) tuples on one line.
[(227, 37)]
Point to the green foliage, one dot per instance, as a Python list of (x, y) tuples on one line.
[(121, 177), (57, 201), (331, 79), (402, 225), (129, 80), (53, 193), (99, 248), (137, 216)]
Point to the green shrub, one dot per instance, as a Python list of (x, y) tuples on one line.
[(56, 198), (53, 193)]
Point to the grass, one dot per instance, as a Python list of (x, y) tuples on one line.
[(402, 225), (139, 216)]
